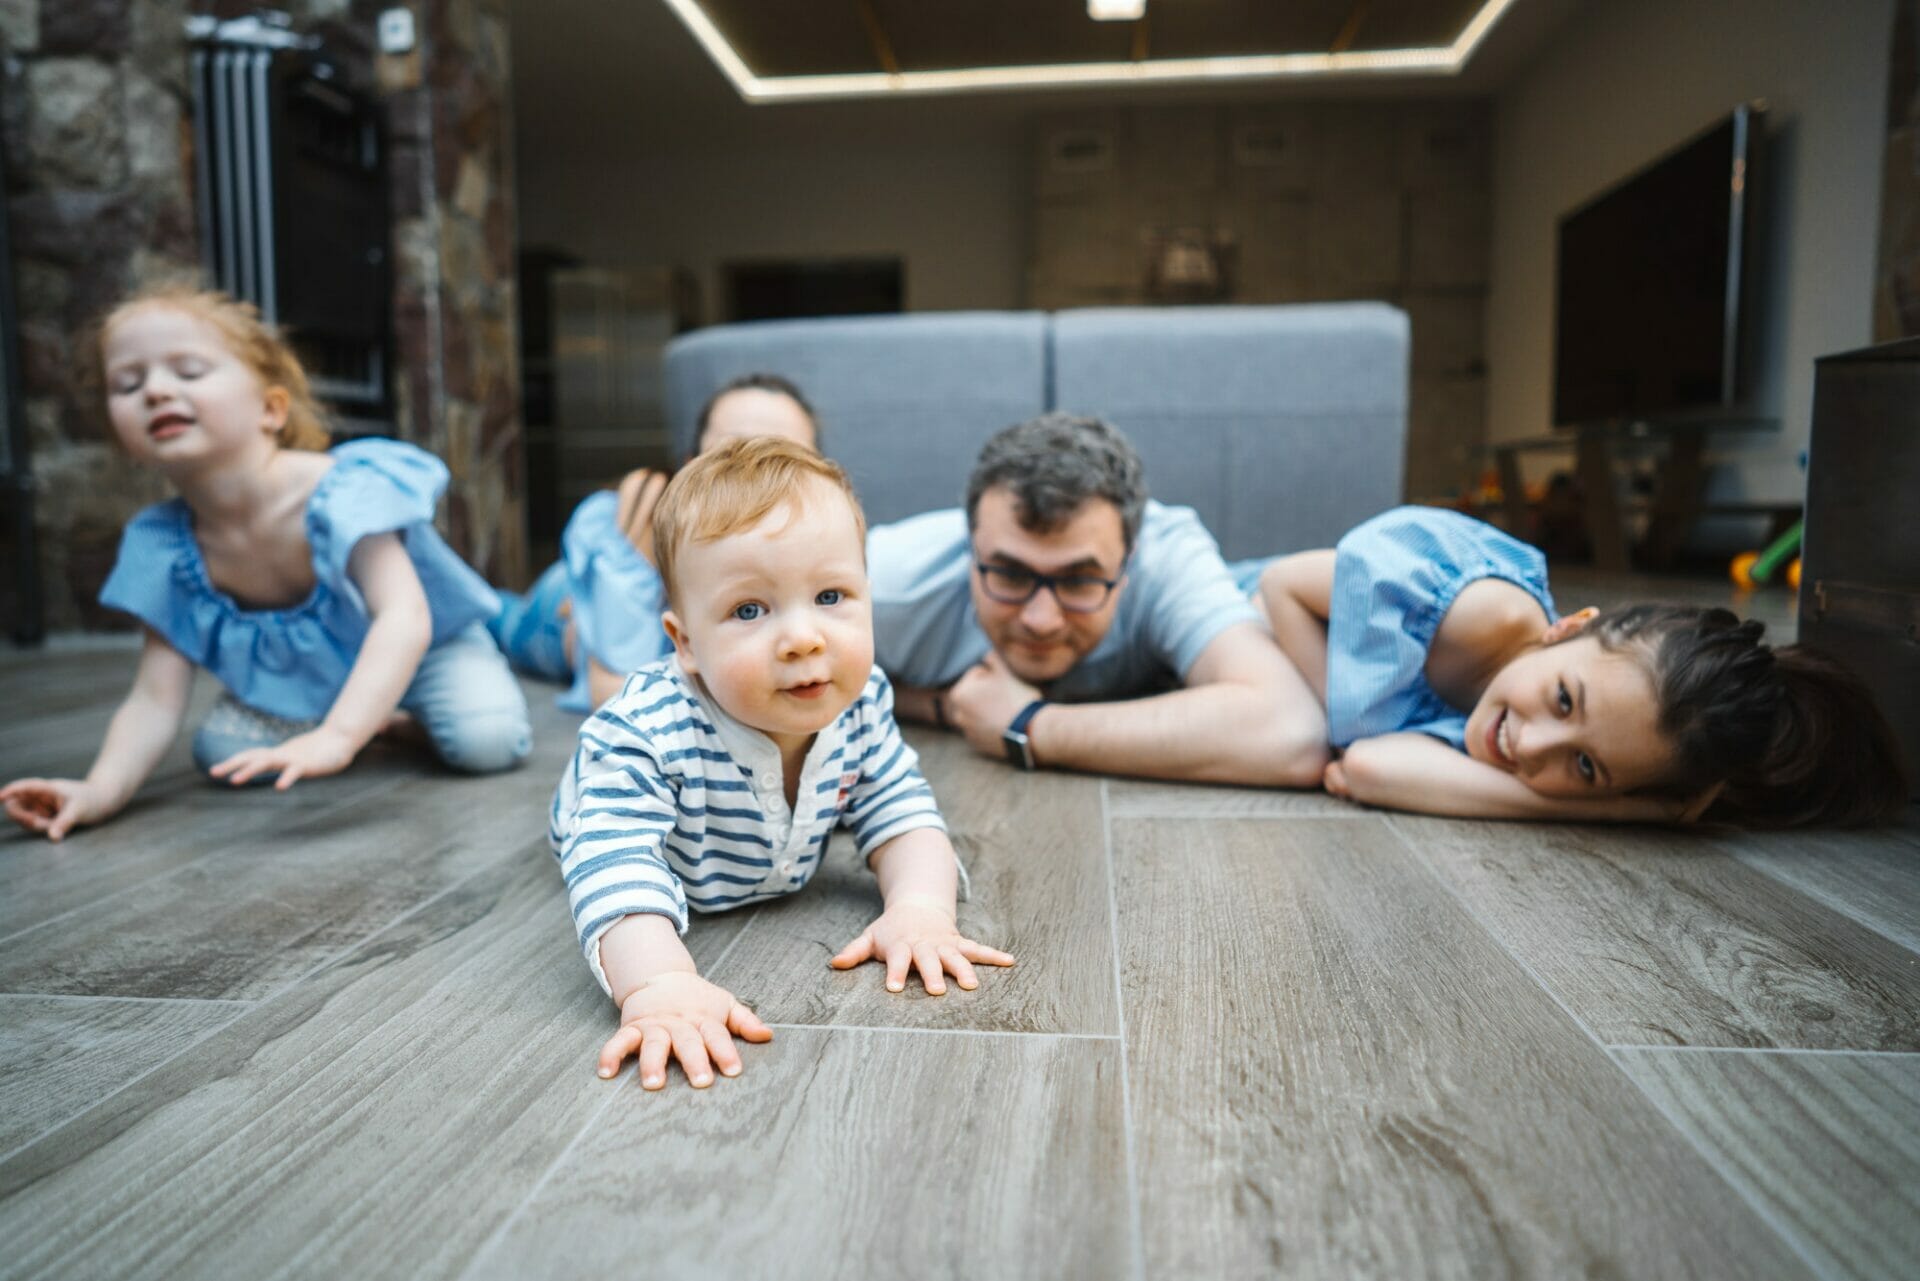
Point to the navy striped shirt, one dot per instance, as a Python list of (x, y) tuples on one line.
[(670, 804)]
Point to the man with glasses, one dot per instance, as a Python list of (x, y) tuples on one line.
[(1064, 621)]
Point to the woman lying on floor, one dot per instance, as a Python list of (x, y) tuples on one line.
[(594, 615), (1451, 687)]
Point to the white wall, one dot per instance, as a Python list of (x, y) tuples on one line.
[(955, 212), (1623, 81)]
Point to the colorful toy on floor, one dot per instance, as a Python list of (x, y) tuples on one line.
[(1756, 569)]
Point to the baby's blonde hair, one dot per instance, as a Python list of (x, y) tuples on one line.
[(255, 342), (733, 488)]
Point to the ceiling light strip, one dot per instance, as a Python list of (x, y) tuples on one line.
[(1476, 29), (714, 43), (1445, 60)]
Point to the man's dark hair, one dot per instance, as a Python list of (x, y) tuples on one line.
[(755, 382), (1054, 464)]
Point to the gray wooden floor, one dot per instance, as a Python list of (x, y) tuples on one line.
[(344, 1031)]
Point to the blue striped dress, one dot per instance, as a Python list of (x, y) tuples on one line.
[(671, 804), (1394, 579)]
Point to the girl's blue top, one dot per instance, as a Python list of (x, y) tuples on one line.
[(617, 597), (292, 662), (1393, 580)]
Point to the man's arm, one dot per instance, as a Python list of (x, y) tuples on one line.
[(1422, 774), (1245, 716), (919, 705)]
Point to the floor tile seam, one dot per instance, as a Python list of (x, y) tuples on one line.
[(1833, 905), (1420, 860), (1174, 811), (1776, 1050), (1685, 1136), (247, 1008), (593, 1118), (946, 1031), (1135, 1227), (534, 1189), (1738, 1187), (732, 943), (214, 852), (97, 998)]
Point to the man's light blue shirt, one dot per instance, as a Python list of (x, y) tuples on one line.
[(1177, 597)]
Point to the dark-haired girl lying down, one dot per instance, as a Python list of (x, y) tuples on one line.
[(1451, 687)]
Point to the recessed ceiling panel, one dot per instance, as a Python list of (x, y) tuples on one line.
[(1413, 24), (1237, 28), (1233, 28), (824, 37), (795, 37), (815, 48), (939, 35)]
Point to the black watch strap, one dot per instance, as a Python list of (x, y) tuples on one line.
[(1019, 746)]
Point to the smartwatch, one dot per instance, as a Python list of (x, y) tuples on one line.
[(1019, 746)]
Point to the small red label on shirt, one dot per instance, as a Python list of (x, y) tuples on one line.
[(847, 780)]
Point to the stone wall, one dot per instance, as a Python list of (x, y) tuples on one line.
[(1299, 202), (1896, 302), (100, 199)]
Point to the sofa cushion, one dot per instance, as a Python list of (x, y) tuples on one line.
[(905, 402), (1283, 426)]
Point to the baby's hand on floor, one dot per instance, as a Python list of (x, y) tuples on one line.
[(53, 806), (1334, 779), (314, 754), (681, 1015), (920, 933)]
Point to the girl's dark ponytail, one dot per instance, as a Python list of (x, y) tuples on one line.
[(1833, 760), (1794, 737)]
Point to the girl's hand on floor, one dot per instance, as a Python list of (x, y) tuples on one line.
[(918, 933), (681, 1015), (53, 806), (314, 754)]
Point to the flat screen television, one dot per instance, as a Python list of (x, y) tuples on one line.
[(1652, 286)]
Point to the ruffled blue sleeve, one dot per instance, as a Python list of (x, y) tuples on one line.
[(374, 487), (1394, 579), (382, 487), (617, 594), (145, 581)]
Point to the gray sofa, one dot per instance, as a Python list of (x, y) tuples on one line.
[(1281, 426)]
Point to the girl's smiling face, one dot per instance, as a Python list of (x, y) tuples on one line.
[(1572, 719), (176, 392)]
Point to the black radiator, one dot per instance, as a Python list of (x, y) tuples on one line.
[(291, 171)]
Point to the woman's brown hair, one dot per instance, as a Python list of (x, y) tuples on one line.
[(256, 343)]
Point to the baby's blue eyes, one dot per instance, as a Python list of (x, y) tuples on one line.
[(1584, 764), (1566, 700), (752, 611)]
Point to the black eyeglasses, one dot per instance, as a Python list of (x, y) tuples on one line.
[(1013, 585)]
